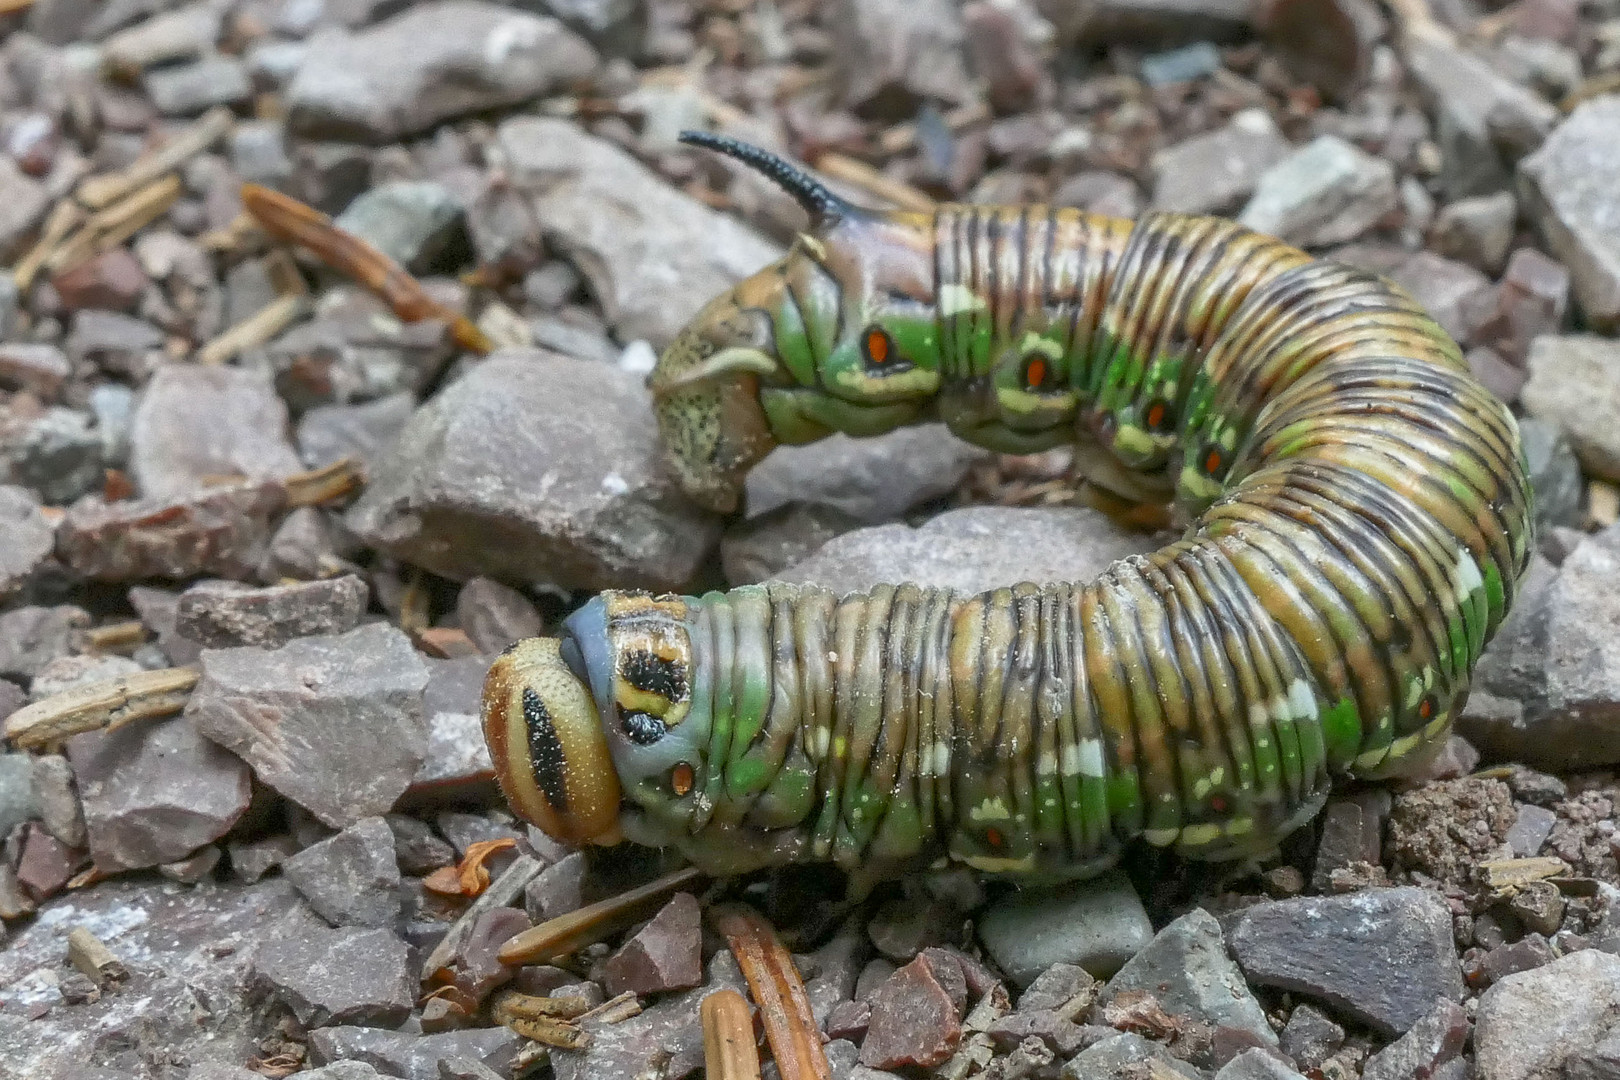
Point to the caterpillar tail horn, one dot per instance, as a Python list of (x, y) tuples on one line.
[(546, 742)]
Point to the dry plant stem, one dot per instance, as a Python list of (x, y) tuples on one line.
[(89, 955), (107, 229), (327, 484), (116, 637), (1503, 874), (293, 222), (868, 179), (729, 1052), (531, 1006), (590, 924), (790, 1026), (100, 191), (254, 330), (507, 888), (902, 138), (545, 1020), (614, 1010), (11, 7), (64, 218), (109, 704)]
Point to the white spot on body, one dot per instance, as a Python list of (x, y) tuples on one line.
[(614, 484), (956, 299)]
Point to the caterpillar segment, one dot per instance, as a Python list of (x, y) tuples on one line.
[(1358, 516)]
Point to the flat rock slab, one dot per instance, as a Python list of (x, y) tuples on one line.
[(334, 723), (536, 468), (339, 976), (1380, 957), (430, 63), (155, 791), (1098, 925), (1571, 189), (351, 879), (187, 1001), (653, 256), (26, 538), (973, 549), (1528, 1025), (413, 1056), (172, 454), (225, 614)]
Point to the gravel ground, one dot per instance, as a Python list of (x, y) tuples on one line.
[(266, 864)]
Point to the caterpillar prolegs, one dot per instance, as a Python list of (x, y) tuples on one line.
[(1359, 515)]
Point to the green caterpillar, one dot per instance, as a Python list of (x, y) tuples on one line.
[(1360, 516)]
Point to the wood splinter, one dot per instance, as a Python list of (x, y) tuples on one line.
[(109, 704), (729, 1049)]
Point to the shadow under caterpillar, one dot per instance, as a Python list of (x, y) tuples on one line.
[(1359, 513)]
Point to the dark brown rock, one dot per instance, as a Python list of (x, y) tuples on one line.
[(999, 52), (221, 531), (155, 791), (475, 967), (225, 614), (111, 281), (1327, 43), (334, 722), (46, 864), (914, 1021), (666, 954)]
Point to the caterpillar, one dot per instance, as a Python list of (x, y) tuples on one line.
[(1357, 517)]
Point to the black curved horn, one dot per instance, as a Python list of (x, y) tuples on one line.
[(816, 198)]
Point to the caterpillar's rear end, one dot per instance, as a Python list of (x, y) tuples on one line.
[(1360, 517)]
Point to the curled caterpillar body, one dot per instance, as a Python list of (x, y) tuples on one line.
[(1360, 516)]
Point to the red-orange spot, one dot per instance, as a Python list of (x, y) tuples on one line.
[(877, 346), (1218, 803), (680, 778), (1212, 462), (1155, 414), (1426, 708), (993, 837), (1036, 374)]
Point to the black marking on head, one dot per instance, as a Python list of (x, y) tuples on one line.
[(818, 200), (653, 674), (546, 758), (644, 729)]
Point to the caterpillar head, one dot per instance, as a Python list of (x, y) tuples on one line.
[(584, 727), (838, 335)]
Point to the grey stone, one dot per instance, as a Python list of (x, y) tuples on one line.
[(253, 859), (352, 878), (1256, 1064), (184, 945), (225, 614), (457, 753), (26, 538), (1577, 729), (1216, 172), (558, 889), (1530, 830), (17, 803), (115, 343), (759, 548), (874, 480), (41, 368), (1187, 969), (168, 36), (1148, 23), (1098, 925), (1479, 115), (1380, 957), (1113, 1057), (1431, 1043), (334, 722), (57, 453), (259, 155), (1571, 190), (155, 791), (23, 202), (570, 491), (652, 255), (494, 615), (56, 799), (1327, 192), (31, 637), (413, 222), (892, 55), (416, 849), (1555, 473), (1477, 230), (1444, 287), (973, 549), (246, 434), (1310, 1037), (72, 672), (188, 89), (1530, 1024), (430, 63), (412, 1056), (329, 433), (306, 545), (1575, 384), (339, 976)]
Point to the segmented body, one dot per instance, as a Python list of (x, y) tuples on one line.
[(1360, 516)]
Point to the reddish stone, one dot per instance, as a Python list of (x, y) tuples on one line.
[(849, 1020), (1015, 78), (666, 954), (111, 281), (914, 1019), (47, 864)]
